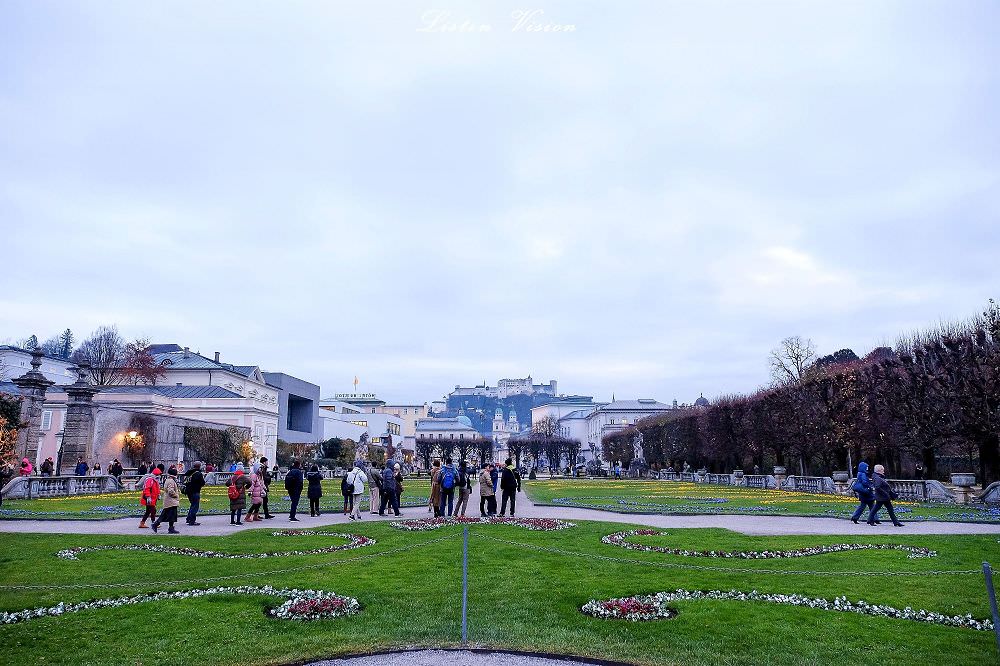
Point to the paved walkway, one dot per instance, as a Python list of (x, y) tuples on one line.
[(753, 525), (449, 658)]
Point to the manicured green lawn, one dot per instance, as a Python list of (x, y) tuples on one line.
[(520, 598), (676, 497), (213, 501)]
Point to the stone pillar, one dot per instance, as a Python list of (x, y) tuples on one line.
[(78, 431), (779, 476), (32, 386)]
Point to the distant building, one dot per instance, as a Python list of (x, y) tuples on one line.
[(619, 415), (298, 408), (382, 429), (560, 407), (504, 430), (408, 414), (456, 428), (368, 402), (506, 388), (15, 361)]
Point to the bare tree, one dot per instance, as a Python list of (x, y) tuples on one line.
[(52, 346), (791, 359), (105, 351), (140, 366), (547, 427)]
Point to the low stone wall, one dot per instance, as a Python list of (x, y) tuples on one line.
[(30, 487), (810, 484)]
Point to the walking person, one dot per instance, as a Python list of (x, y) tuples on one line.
[(315, 479), (293, 484), (435, 499), (374, 490), (448, 479), (348, 492), (388, 490), (464, 488), (510, 485), (884, 494), (150, 495), (397, 473), (192, 488), (266, 476), (237, 495), (356, 480), (863, 487), (487, 498), (171, 500), (256, 495)]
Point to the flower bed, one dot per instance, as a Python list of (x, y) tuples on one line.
[(535, 524), (703, 505), (655, 606), (298, 604), (621, 539), (354, 541)]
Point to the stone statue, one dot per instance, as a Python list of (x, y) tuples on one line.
[(637, 446), (361, 451)]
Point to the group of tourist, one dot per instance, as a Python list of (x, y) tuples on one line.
[(874, 492)]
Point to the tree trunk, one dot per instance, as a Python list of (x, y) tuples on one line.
[(989, 460)]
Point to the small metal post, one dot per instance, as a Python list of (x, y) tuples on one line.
[(465, 586), (988, 573)]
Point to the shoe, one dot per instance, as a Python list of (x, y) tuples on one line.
[(173, 532), (194, 524), (143, 526), (878, 522), (294, 519), (156, 527), (898, 524), (854, 520), (238, 523), (268, 517), (232, 522), (871, 523)]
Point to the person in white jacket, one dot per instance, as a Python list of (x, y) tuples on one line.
[(357, 478)]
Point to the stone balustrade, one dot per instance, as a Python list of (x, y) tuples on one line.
[(921, 491), (31, 487), (720, 479), (764, 481), (809, 484)]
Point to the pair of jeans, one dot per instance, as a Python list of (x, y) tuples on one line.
[(267, 511), (313, 506), (866, 503), (508, 495), (389, 500), (873, 515), (463, 501), (447, 499), (295, 504), (193, 511), (236, 516)]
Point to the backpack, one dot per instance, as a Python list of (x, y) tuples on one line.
[(346, 487), (448, 478), (234, 492)]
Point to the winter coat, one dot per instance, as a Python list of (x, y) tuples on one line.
[(863, 484), (47, 466), (435, 498), (293, 482), (399, 482), (242, 483), (150, 491), (315, 484), (195, 482), (883, 491), (358, 478), (486, 484), (81, 469), (510, 480), (256, 489), (171, 493), (494, 477), (388, 480)]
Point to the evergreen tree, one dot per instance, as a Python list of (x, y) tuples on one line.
[(66, 344)]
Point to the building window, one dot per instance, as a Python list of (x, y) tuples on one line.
[(46, 419), (363, 424), (373, 410), (376, 440)]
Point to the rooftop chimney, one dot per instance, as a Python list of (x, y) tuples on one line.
[(216, 357), (187, 352)]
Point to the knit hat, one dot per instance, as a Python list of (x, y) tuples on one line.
[(879, 469)]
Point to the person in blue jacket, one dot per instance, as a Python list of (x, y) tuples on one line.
[(863, 488)]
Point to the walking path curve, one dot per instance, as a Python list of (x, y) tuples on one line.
[(751, 525)]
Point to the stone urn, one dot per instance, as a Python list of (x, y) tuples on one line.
[(778, 469), (841, 477), (737, 474), (963, 479)]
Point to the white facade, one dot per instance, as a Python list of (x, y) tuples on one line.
[(559, 409), (618, 415), (507, 387), (380, 427), (338, 406), (504, 430), (14, 362)]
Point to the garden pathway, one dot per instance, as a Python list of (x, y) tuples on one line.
[(752, 525), (450, 658)]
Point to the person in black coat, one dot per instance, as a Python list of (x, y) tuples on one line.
[(266, 477), (293, 484), (884, 494), (315, 479), (510, 486), (192, 488)]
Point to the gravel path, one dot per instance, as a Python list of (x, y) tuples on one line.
[(753, 525), (449, 658)]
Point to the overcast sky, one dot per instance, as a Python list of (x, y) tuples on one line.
[(642, 206)]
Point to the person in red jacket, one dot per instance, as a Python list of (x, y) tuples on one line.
[(150, 494)]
